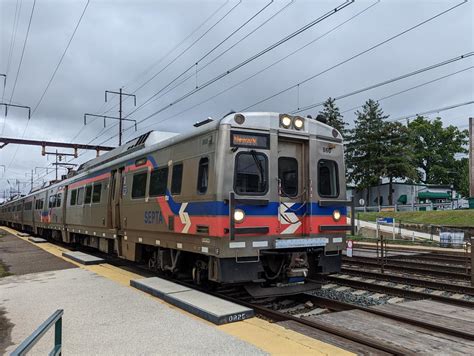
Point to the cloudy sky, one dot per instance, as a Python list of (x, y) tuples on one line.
[(126, 43)]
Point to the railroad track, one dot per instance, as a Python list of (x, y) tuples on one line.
[(391, 261), (415, 250), (400, 290), (417, 282), (419, 269)]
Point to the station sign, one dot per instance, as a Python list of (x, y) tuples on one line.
[(385, 220), (249, 140)]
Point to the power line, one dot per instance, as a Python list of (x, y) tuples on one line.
[(252, 58), (171, 51), (278, 12), (389, 81), (354, 56), (202, 58), (13, 39), (412, 88), (62, 57), (431, 111), (23, 50)]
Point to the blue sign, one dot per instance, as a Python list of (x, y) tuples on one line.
[(385, 220)]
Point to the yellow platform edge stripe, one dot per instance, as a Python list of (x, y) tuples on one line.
[(269, 337)]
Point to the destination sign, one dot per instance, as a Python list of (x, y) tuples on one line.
[(245, 139)]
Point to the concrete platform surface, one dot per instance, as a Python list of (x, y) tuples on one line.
[(83, 258), (213, 309), (102, 317), (36, 239), (23, 257)]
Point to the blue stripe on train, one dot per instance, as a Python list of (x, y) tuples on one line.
[(213, 208)]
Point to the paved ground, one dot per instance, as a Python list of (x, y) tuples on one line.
[(21, 257), (103, 317)]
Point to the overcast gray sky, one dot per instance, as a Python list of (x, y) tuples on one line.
[(123, 44)]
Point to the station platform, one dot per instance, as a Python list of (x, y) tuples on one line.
[(104, 315)]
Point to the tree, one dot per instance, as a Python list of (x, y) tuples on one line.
[(460, 177), (333, 116), (378, 149), (399, 159), (435, 150), (364, 149)]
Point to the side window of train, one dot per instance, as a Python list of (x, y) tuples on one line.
[(177, 179), (139, 185), (58, 199), (251, 173), (52, 201), (80, 196), (288, 175), (328, 185), (88, 197), (72, 201), (158, 182), (203, 175), (96, 193)]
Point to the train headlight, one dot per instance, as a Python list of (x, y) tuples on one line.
[(285, 122), (239, 215), (299, 123), (336, 215)]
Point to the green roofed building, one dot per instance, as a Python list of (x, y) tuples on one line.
[(407, 194)]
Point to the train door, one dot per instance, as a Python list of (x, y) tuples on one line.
[(115, 197), (292, 187)]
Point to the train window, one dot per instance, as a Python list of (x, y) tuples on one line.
[(58, 200), (88, 197), (177, 179), (28, 205), (203, 175), (158, 182), (96, 193), (73, 197), (251, 173), (288, 175), (139, 185), (328, 180), (80, 196), (52, 201)]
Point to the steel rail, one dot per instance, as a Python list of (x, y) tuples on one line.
[(455, 288), (411, 294), (401, 267)]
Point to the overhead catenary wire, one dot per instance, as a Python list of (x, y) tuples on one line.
[(23, 50), (208, 63), (252, 58), (355, 56), (12, 40), (192, 33), (412, 88), (431, 111), (61, 59), (195, 65), (389, 81), (51, 79)]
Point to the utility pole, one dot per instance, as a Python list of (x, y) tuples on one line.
[(120, 93)]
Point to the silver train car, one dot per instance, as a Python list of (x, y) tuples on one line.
[(253, 198)]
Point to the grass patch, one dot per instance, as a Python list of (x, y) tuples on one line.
[(464, 218)]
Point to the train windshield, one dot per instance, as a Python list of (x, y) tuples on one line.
[(251, 173)]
